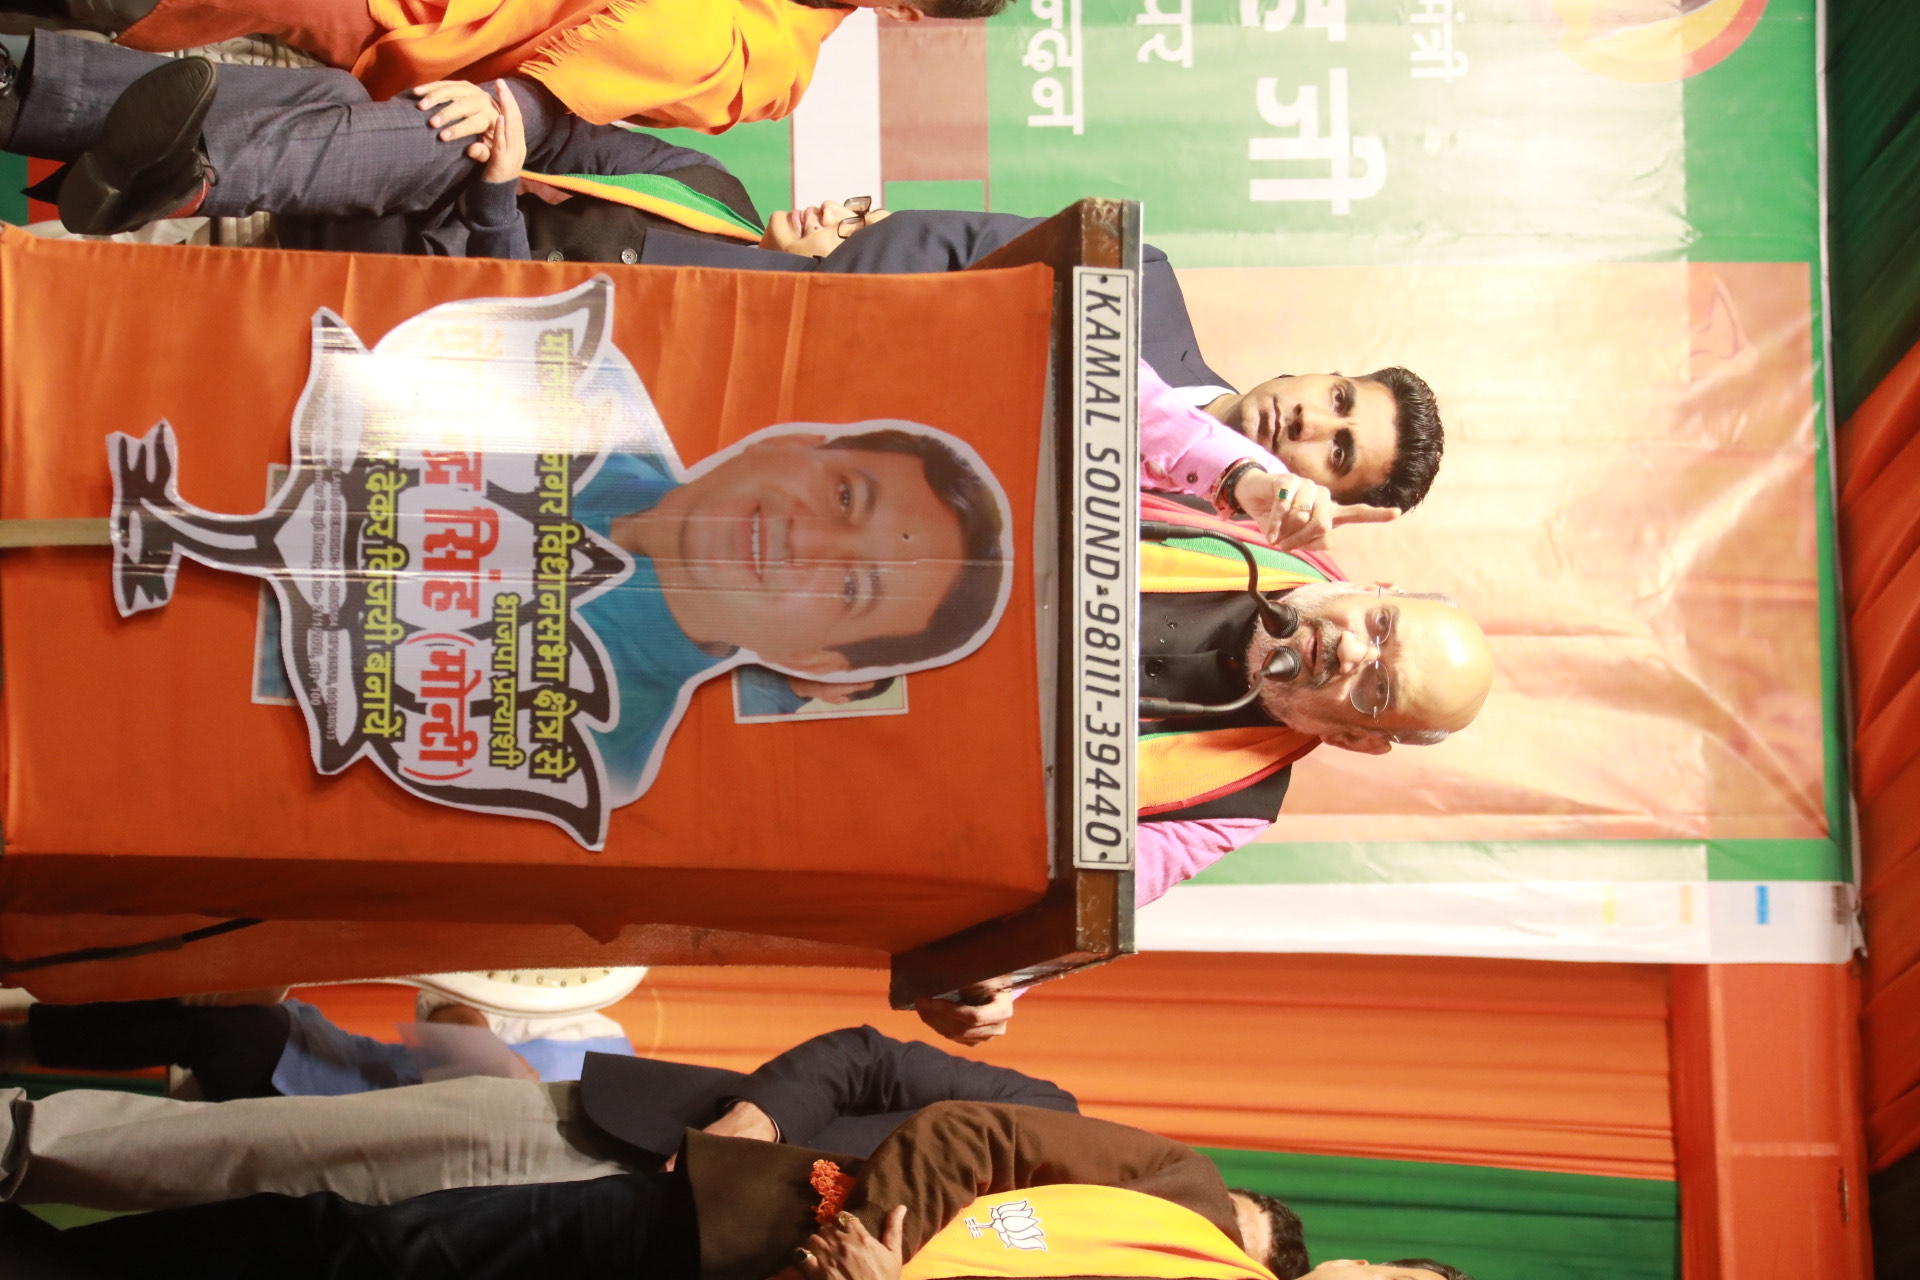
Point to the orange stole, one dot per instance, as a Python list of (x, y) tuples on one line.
[(1178, 769), (1074, 1230), (696, 64), (1175, 770)]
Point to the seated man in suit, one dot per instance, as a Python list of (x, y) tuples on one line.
[(341, 171), (846, 1089), (843, 1091), (963, 1189)]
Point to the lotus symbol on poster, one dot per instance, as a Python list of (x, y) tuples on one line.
[(475, 590)]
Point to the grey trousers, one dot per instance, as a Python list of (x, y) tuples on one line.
[(299, 141), (104, 1149)]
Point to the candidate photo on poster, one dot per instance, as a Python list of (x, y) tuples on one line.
[(831, 554)]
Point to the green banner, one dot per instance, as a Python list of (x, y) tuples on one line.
[(1497, 1224)]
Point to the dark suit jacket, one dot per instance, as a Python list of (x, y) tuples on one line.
[(755, 1200), (916, 241), (845, 1090), (585, 229), (582, 229)]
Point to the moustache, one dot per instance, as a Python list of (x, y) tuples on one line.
[(1327, 639)]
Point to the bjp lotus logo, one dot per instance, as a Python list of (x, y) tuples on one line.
[(1015, 1223), (1650, 41)]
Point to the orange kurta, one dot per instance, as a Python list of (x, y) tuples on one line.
[(695, 64)]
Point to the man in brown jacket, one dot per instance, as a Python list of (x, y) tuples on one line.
[(733, 1209)]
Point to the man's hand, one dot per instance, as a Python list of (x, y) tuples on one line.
[(845, 1250), (459, 1015), (745, 1120), (742, 1120), (1296, 514), (461, 110), (505, 141), (981, 1013)]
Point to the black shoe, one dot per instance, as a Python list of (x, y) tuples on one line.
[(109, 16), (147, 163), (9, 97)]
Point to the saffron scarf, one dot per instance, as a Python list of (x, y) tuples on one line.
[(694, 64), (1177, 769)]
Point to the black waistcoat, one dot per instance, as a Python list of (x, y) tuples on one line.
[(1193, 648)]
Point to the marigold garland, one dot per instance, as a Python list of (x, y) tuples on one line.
[(833, 1186)]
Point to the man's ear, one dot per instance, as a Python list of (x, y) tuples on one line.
[(821, 662), (900, 12), (1366, 743)]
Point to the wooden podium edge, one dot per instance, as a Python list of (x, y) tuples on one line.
[(1086, 917)]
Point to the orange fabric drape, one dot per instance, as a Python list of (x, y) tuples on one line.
[(1879, 470), (1767, 1125), (1508, 1063)]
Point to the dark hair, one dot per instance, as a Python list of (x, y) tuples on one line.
[(973, 502), (877, 688), (1416, 423), (959, 8), (1440, 1269), (1287, 1257)]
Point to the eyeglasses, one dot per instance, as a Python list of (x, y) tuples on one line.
[(1372, 692), (859, 207)]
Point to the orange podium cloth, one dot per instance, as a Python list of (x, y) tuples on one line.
[(142, 780)]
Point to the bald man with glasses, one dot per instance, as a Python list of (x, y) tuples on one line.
[(1377, 667)]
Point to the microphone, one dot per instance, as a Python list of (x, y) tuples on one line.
[(1283, 665), (1277, 618)]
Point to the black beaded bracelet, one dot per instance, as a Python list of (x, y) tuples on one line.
[(1223, 499)]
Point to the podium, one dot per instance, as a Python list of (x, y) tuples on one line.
[(432, 608)]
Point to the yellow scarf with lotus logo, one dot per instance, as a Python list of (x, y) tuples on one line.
[(1074, 1230)]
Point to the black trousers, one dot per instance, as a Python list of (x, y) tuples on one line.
[(629, 1227), (232, 1051)]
